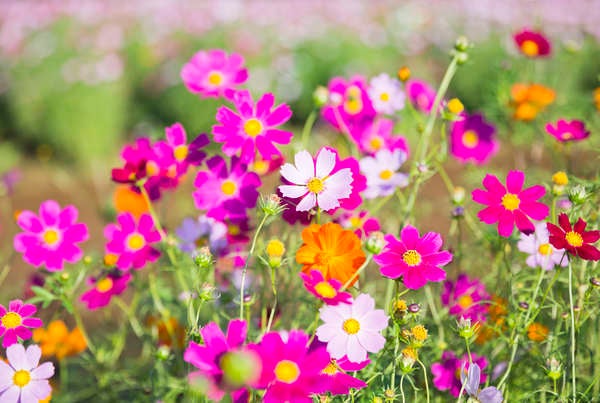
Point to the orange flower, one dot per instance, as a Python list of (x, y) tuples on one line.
[(529, 100), (537, 332), (497, 312), (168, 332), (332, 250), (57, 340), (126, 200)]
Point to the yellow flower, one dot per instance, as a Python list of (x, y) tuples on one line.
[(419, 333), (560, 178), (275, 248), (455, 106), (403, 73)]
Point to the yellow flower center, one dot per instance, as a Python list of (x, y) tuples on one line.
[(315, 185), (419, 333), (180, 152), (355, 222), (287, 371), (21, 378), (530, 48), (135, 242), (574, 239), (351, 326), (275, 248), (384, 96), (228, 187), (470, 139), (260, 167), (545, 249), (152, 168), (331, 369), (465, 301), (353, 104), (104, 285), (567, 136), (50, 237), (234, 229), (412, 257), (215, 78), (385, 174), (325, 290), (11, 320), (253, 127), (510, 201), (376, 142)]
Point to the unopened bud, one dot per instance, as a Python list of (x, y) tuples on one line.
[(271, 205), (577, 194), (320, 96), (403, 73), (203, 258), (461, 44), (375, 243)]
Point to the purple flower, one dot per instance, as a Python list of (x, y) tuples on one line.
[(541, 252), (382, 173), (51, 238), (473, 139), (104, 289), (195, 233), (466, 298), (131, 240), (21, 379), (472, 382), (16, 322), (446, 374), (211, 73)]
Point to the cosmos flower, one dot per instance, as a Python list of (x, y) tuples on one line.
[(195, 233), (349, 104), (414, 258), (377, 135), (340, 382), (564, 130), (50, 238), (57, 341), (360, 222), (532, 43), (210, 73), (510, 205), (131, 241), (16, 322), (327, 291), (382, 173), (473, 139), (472, 380), (466, 298), (421, 94), (447, 372), (22, 380), (386, 94), (253, 128), (530, 99), (352, 330), (541, 252), (104, 289), (574, 238)]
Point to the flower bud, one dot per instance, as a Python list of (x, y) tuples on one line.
[(320, 96), (375, 243), (595, 282), (271, 205), (455, 106), (403, 73), (466, 330), (560, 178), (408, 357), (461, 44), (577, 194), (163, 353), (203, 258), (458, 195), (275, 250), (414, 308), (554, 370)]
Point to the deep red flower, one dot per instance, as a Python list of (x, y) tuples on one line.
[(574, 238), (532, 43)]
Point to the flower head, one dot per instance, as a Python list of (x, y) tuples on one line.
[(575, 239), (532, 43), (564, 130), (360, 222), (210, 73), (382, 173), (349, 104), (510, 205), (103, 289), (417, 259), (377, 135), (465, 298), (473, 139), (16, 322), (196, 233), (335, 252), (472, 380), (447, 372), (530, 99), (421, 94), (340, 382), (21, 378), (541, 252), (386, 94), (327, 291), (56, 340), (131, 240), (50, 239)]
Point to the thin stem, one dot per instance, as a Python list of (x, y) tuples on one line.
[(573, 371), (425, 377), (402, 388), (434, 312), (81, 327), (274, 307), (245, 269), (152, 212), (357, 273), (308, 125)]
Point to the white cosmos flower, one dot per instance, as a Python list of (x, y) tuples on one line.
[(386, 94), (381, 172)]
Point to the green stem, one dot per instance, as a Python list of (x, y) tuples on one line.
[(308, 125), (245, 269), (357, 273), (81, 327), (425, 377), (434, 313), (402, 388), (274, 307), (573, 370)]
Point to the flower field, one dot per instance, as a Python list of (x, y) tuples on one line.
[(209, 202)]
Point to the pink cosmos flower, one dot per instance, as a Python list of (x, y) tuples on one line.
[(225, 193), (349, 104), (22, 380), (446, 373), (382, 173), (377, 135), (291, 373), (564, 130), (473, 139), (50, 238), (337, 371), (210, 73), (131, 240), (417, 259), (360, 222), (510, 205), (104, 289), (16, 322), (210, 357), (253, 128), (386, 94), (327, 291), (541, 252), (466, 298), (314, 182), (353, 329), (421, 94), (532, 43)]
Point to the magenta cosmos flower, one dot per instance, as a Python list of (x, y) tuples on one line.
[(446, 373), (290, 373), (466, 298), (226, 193), (337, 371), (210, 73), (564, 130), (211, 357), (510, 205), (51, 238), (104, 289), (16, 322), (574, 238), (313, 181), (22, 380), (349, 104), (327, 291), (353, 329), (253, 128), (532, 43), (131, 240), (473, 139), (416, 259), (421, 95)]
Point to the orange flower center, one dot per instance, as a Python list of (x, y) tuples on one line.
[(180, 152), (574, 239), (376, 142), (215, 78), (470, 139), (104, 285), (465, 301), (351, 326), (315, 185), (385, 174), (384, 96), (135, 242), (412, 257), (530, 48), (21, 378), (510, 201), (325, 290), (11, 320), (228, 187), (110, 259), (545, 249), (253, 127), (287, 371), (323, 258), (50, 237)]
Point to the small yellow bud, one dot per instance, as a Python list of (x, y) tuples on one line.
[(404, 73), (455, 106), (560, 178), (275, 248)]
